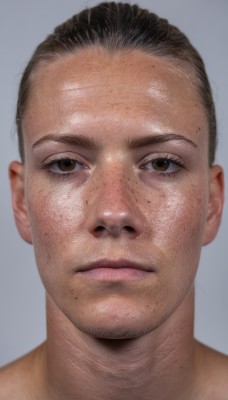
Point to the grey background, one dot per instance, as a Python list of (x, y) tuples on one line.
[(23, 24)]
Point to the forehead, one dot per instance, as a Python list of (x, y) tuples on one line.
[(93, 67), (109, 86)]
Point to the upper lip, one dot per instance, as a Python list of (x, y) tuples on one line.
[(120, 263)]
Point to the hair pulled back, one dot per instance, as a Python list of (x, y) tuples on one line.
[(118, 26)]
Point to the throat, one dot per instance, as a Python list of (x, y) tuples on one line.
[(158, 364)]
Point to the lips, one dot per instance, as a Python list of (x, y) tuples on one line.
[(114, 270)]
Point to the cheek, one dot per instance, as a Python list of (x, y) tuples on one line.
[(177, 220), (182, 218), (177, 224), (56, 217)]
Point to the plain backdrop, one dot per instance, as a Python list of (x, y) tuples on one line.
[(23, 24)]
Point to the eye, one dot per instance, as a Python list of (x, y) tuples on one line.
[(65, 165), (163, 165)]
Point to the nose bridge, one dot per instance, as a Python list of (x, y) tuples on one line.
[(114, 207), (116, 188)]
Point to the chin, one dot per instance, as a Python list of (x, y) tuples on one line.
[(125, 325), (114, 333)]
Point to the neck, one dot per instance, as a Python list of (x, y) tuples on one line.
[(158, 365)]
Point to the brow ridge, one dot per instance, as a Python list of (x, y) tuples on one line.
[(155, 139), (73, 140), (91, 144)]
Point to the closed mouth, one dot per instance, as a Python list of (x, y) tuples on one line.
[(114, 270)]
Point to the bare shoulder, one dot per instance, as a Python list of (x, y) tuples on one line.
[(13, 379), (212, 372), (18, 378)]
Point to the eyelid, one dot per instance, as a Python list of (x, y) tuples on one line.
[(54, 172), (65, 156), (54, 163), (162, 155), (50, 165), (175, 167)]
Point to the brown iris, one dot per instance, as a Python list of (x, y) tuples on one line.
[(66, 165), (161, 164)]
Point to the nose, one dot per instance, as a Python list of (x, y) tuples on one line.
[(113, 208)]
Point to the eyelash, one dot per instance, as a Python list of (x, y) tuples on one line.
[(62, 175), (167, 158)]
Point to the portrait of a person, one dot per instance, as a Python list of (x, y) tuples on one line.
[(117, 190)]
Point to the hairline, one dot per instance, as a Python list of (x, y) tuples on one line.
[(183, 66)]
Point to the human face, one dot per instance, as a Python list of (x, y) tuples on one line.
[(115, 190)]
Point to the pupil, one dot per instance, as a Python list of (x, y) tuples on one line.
[(161, 164), (66, 165)]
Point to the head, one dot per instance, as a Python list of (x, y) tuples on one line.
[(119, 27), (117, 136)]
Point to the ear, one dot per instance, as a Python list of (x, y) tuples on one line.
[(215, 206), (16, 175)]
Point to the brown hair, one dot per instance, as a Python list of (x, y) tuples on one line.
[(116, 26)]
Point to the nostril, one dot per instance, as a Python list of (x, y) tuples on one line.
[(129, 229), (114, 230), (99, 229)]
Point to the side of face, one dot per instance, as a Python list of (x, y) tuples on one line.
[(116, 168)]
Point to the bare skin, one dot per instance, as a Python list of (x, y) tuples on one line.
[(117, 333)]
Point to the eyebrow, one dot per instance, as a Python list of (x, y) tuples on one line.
[(91, 144), (155, 139), (73, 140)]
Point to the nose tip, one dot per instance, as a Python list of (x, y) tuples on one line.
[(114, 212)]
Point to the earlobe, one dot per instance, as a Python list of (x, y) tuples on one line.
[(215, 206), (16, 175)]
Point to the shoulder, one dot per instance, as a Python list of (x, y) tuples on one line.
[(12, 380), (17, 378), (212, 371)]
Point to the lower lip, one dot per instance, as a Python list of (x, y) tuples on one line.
[(114, 274)]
